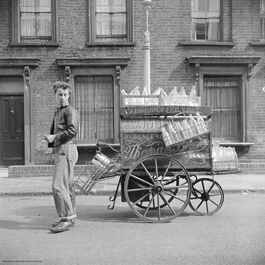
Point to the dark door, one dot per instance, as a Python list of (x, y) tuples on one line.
[(11, 130)]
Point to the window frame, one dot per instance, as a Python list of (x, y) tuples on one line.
[(79, 72), (16, 36), (221, 26), (92, 26), (239, 71)]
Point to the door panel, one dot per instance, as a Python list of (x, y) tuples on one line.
[(12, 130)]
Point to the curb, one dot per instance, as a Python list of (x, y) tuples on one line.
[(111, 193), (36, 194)]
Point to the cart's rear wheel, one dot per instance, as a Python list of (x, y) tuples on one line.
[(157, 188), (207, 196)]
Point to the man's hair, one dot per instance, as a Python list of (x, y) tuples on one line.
[(61, 84)]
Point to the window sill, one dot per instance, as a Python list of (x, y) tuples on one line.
[(110, 44), (207, 43), (239, 146), (95, 145), (236, 144), (28, 44), (257, 43)]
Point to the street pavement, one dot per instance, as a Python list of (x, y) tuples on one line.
[(36, 186), (235, 235)]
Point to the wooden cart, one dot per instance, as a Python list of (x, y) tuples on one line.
[(156, 181)]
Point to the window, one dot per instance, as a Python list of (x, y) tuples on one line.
[(223, 95), (34, 21), (206, 20), (262, 18), (94, 98), (110, 20)]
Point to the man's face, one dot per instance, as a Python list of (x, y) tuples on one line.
[(62, 96)]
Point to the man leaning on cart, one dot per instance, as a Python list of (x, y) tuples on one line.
[(62, 134)]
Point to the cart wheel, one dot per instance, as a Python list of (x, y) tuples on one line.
[(157, 188), (207, 196), (143, 205)]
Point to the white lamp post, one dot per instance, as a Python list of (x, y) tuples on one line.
[(147, 80)]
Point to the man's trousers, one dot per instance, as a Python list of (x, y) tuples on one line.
[(65, 158)]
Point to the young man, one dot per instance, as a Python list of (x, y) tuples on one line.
[(62, 135)]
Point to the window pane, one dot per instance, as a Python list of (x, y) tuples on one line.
[(94, 100), (119, 6), (213, 27), (119, 24), (45, 6), (27, 6), (35, 18), (103, 6), (214, 6), (44, 25), (111, 19), (206, 20), (28, 24), (262, 7), (223, 95), (103, 22), (199, 5), (199, 29)]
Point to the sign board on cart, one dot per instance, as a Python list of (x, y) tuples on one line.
[(139, 112), (194, 154)]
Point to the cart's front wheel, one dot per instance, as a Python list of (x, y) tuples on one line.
[(207, 196), (157, 188)]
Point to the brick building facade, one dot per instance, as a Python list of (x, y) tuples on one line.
[(182, 54)]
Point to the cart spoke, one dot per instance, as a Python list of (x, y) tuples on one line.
[(194, 189), (133, 176), (147, 194), (207, 208), (156, 167), (169, 164), (194, 198), (154, 204), (173, 195), (166, 202), (216, 194), (158, 206), (139, 189), (137, 183), (214, 202), (199, 205), (148, 206), (148, 173), (211, 188), (203, 186)]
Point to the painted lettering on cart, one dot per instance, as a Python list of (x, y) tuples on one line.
[(162, 110), (195, 152), (135, 151)]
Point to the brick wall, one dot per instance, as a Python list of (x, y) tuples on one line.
[(169, 24)]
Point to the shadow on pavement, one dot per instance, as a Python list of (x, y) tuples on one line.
[(41, 217)]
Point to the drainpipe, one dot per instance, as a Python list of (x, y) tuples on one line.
[(147, 80)]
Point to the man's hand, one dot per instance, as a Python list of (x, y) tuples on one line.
[(49, 138)]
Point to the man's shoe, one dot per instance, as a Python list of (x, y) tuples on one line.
[(55, 223), (64, 225)]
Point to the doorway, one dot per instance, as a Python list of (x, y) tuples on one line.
[(11, 121)]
